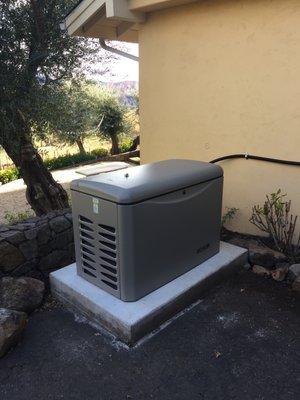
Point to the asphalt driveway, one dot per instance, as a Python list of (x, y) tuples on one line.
[(242, 341)]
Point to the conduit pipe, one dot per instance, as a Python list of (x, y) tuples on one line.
[(117, 51), (253, 157)]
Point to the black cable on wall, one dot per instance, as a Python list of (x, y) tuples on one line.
[(253, 157)]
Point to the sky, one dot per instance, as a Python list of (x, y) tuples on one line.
[(120, 68)]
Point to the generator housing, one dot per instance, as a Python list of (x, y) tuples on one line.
[(137, 229)]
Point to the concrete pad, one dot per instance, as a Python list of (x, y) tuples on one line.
[(131, 321)]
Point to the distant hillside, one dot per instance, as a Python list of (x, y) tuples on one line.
[(124, 91), (123, 86)]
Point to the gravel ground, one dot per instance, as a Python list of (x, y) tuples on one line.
[(242, 341)]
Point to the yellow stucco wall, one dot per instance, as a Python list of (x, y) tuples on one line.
[(220, 77)]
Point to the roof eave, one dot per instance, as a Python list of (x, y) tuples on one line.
[(109, 19)]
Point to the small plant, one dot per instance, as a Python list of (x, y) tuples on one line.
[(275, 219), (9, 174), (125, 145), (13, 218), (68, 160), (229, 214), (98, 153)]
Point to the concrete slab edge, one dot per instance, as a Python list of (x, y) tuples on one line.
[(80, 304)]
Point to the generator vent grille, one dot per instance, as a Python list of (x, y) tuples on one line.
[(87, 244), (99, 253), (108, 256)]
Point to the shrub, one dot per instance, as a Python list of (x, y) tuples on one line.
[(69, 160), (229, 214), (13, 218), (275, 219), (9, 174), (125, 145), (98, 153)]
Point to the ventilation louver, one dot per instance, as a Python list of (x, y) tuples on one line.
[(108, 256), (87, 246), (103, 265)]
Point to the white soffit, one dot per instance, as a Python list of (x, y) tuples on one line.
[(109, 19)]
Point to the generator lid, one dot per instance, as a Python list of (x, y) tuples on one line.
[(140, 183)]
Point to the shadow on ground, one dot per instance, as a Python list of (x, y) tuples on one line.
[(241, 342)]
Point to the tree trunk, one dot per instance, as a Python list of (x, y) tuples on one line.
[(79, 143), (43, 193), (114, 145)]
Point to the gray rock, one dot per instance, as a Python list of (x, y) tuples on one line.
[(31, 233), (296, 284), (25, 269), (69, 217), (59, 224), (44, 234), (264, 256), (259, 270), (10, 257), (71, 252), (29, 249), (13, 237), (51, 214), (33, 220), (19, 227), (279, 274), (260, 254), (247, 266), (54, 260), (21, 294), (61, 240), (294, 271), (12, 324)]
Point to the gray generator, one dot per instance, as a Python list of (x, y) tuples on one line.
[(138, 229)]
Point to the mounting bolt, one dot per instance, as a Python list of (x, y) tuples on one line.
[(127, 175)]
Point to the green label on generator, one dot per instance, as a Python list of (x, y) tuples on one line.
[(96, 205)]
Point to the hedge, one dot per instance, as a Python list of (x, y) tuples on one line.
[(11, 174)]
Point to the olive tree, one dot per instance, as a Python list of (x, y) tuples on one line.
[(76, 122), (112, 121), (35, 57)]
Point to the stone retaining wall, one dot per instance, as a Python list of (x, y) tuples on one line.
[(37, 246)]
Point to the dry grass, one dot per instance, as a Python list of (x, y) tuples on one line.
[(56, 149)]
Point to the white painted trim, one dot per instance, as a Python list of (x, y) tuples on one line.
[(80, 18), (118, 9), (77, 20)]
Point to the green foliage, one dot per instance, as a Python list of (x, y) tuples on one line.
[(76, 121), (125, 145), (13, 218), (229, 214), (35, 57), (74, 159), (67, 161), (111, 120), (9, 174), (111, 115), (87, 108), (98, 153), (274, 218)]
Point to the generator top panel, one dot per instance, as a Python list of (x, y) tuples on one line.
[(147, 181)]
